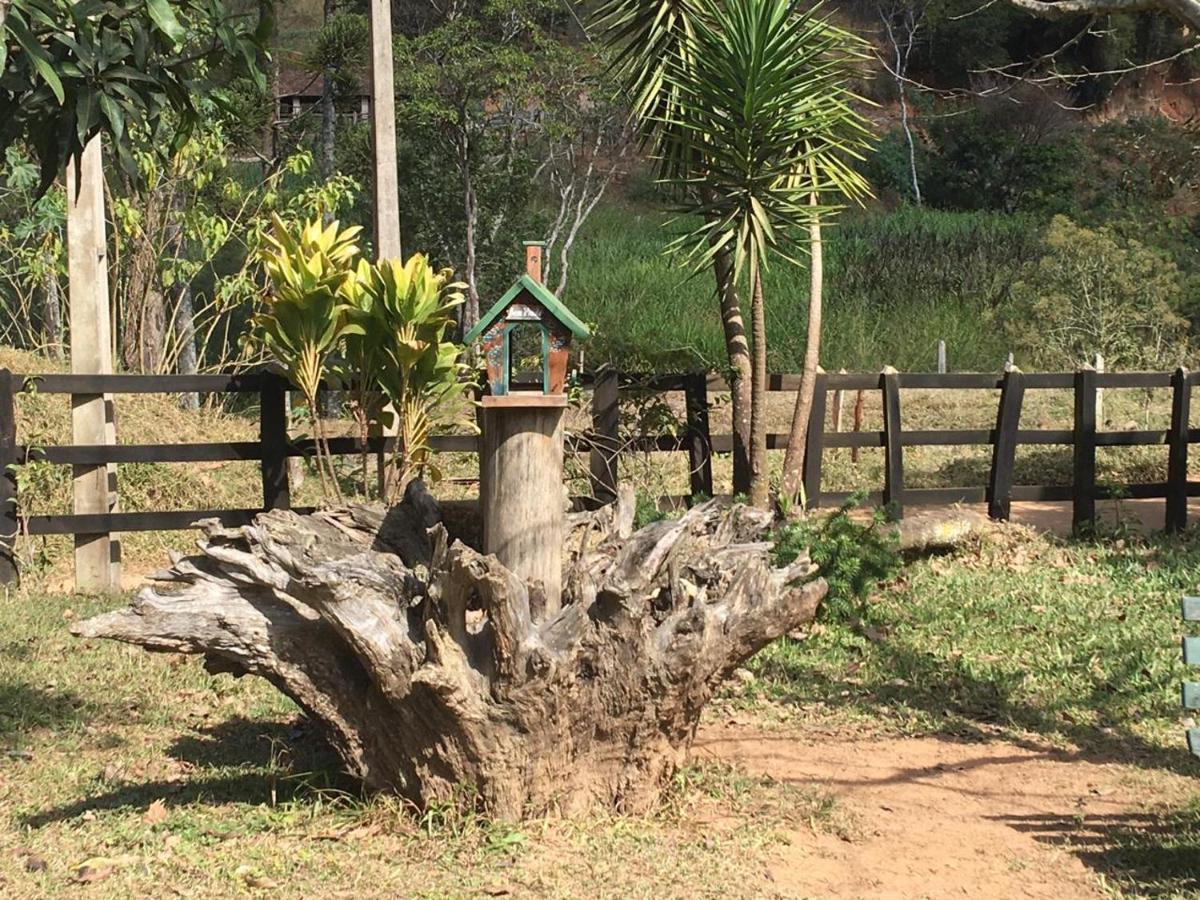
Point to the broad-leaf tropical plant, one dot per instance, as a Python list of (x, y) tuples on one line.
[(404, 312), (307, 315), (762, 109)]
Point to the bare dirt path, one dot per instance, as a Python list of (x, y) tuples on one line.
[(936, 818)]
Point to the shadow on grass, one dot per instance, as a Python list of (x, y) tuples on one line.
[(24, 708), (1149, 854), (241, 761)]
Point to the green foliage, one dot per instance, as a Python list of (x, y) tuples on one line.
[(1092, 292), (937, 272), (341, 48), (466, 81), (765, 110), (402, 313), (646, 512), (380, 326), (994, 158), (306, 313), (853, 556), (70, 69)]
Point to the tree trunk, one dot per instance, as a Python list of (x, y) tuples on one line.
[(760, 470), (793, 462), (471, 212), (433, 667), (52, 312), (738, 350), (328, 117), (185, 335)]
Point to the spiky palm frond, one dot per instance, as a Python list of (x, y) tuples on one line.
[(763, 104)]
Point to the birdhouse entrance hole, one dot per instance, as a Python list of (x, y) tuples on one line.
[(528, 350)]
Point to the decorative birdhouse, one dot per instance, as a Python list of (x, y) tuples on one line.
[(528, 330)]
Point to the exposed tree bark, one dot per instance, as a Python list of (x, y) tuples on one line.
[(143, 307), (52, 309), (328, 114), (432, 666), (737, 348), (793, 461), (185, 336), (902, 46), (1186, 11), (760, 471), (471, 309)]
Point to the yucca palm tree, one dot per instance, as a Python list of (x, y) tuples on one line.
[(648, 34), (759, 110)]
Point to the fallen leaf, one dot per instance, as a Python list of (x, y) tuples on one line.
[(98, 868), (253, 878), (156, 814)]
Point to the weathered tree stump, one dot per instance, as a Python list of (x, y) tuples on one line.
[(432, 666)]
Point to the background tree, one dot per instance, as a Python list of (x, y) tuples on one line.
[(72, 70), (646, 36), (762, 106)]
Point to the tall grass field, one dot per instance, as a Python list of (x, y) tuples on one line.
[(895, 284)]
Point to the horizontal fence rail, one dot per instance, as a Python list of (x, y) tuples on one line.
[(604, 443)]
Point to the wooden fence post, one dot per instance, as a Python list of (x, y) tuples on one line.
[(814, 449), (94, 487), (273, 432), (1177, 458), (893, 448), (699, 435), (606, 440), (9, 525), (1084, 509), (1004, 450), (839, 406)]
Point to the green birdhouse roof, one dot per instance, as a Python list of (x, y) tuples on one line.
[(542, 295)]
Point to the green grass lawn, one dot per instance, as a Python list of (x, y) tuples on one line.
[(1014, 635), (129, 774), (125, 773)]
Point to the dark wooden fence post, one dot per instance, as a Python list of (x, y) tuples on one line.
[(9, 525), (1177, 458), (695, 388), (814, 449), (1084, 509), (273, 432), (606, 440), (1004, 450), (893, 448)]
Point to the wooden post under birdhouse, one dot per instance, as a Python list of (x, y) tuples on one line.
[(521, 448), (521, 487)]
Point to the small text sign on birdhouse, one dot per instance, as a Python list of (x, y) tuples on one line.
[(528, 325)]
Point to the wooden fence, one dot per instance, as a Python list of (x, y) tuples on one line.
[(605, 445)]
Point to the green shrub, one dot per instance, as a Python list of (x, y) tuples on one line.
[(991, 159), (853, 556), (1093, 292)]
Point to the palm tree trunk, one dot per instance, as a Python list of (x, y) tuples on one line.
[(738, 350), (793, 463), (760, 472)]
